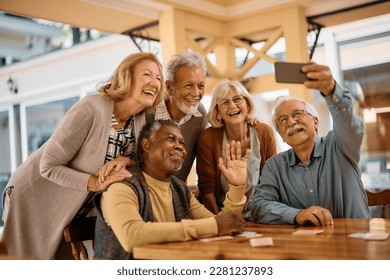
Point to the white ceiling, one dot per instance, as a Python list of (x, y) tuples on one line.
[(119, 16)]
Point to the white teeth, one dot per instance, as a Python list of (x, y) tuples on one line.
[(149, 92), (234, 113), (297, 130), (192, 100)]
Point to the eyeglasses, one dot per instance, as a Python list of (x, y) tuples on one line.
[(224, 103), (296, 115)]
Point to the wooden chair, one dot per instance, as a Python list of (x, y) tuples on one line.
[(381, 198), (3, 248), (77, 232)]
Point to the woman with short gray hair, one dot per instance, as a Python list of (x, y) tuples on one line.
[(231, 115)]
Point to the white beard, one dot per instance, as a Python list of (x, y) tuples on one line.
[(185, 109), (174, 167)]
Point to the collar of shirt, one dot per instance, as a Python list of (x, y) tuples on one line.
[(293, 159), (163, 114), (129, 122)]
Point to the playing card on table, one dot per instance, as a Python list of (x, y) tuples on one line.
[(370, 235), (308, 231), (217, 238), (261, 242), (376, 236), (249, 234), (357, 235)]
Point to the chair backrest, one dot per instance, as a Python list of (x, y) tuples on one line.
[(381, 198), (78, 231), (3, 248)]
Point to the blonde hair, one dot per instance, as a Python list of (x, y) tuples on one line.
[(220, 91), (120, 82)]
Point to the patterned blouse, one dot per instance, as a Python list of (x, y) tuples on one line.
[(121, 142)]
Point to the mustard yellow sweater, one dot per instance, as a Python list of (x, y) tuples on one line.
[(120, 210)]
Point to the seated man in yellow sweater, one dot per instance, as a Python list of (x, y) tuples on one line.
[(155, 207)]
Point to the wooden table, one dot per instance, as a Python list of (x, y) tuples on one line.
[(332, 244)]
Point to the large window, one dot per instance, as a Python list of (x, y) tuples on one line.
[(374, 106), (5, 159), (43, 119)]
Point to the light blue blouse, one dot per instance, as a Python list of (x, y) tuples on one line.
[(331, 179)]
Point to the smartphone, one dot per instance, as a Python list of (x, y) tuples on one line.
[(288, 72)]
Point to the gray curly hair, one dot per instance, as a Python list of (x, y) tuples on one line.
[(188, 58)]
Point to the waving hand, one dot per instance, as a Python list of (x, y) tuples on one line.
[(235, 169)]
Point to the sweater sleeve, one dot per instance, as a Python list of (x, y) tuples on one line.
[(205, 163), (69, 142), (235, 199)]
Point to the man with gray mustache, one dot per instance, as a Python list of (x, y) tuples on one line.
[(318, 179)]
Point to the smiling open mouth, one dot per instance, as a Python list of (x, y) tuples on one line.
[(192, 100), (295, 130), (234, 113), (150, 92)]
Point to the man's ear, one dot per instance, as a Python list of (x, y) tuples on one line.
[(316, 123), (145, 144), (169, 87)]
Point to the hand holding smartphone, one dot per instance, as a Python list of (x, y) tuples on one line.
[(288, 72)]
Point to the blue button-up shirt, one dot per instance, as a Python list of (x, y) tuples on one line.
[(331, 179)]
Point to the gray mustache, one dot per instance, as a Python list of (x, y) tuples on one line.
[(294, 127)]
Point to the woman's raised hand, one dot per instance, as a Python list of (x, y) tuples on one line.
[(235, 169)]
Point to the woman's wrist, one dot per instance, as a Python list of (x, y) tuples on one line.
[(92, 185), (126, 160)]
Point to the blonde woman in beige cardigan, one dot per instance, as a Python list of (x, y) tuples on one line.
[(51, 187)]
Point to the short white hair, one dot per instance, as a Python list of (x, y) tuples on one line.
[(285, 98)]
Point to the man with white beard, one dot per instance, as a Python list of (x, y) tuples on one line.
[(185, 86)]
